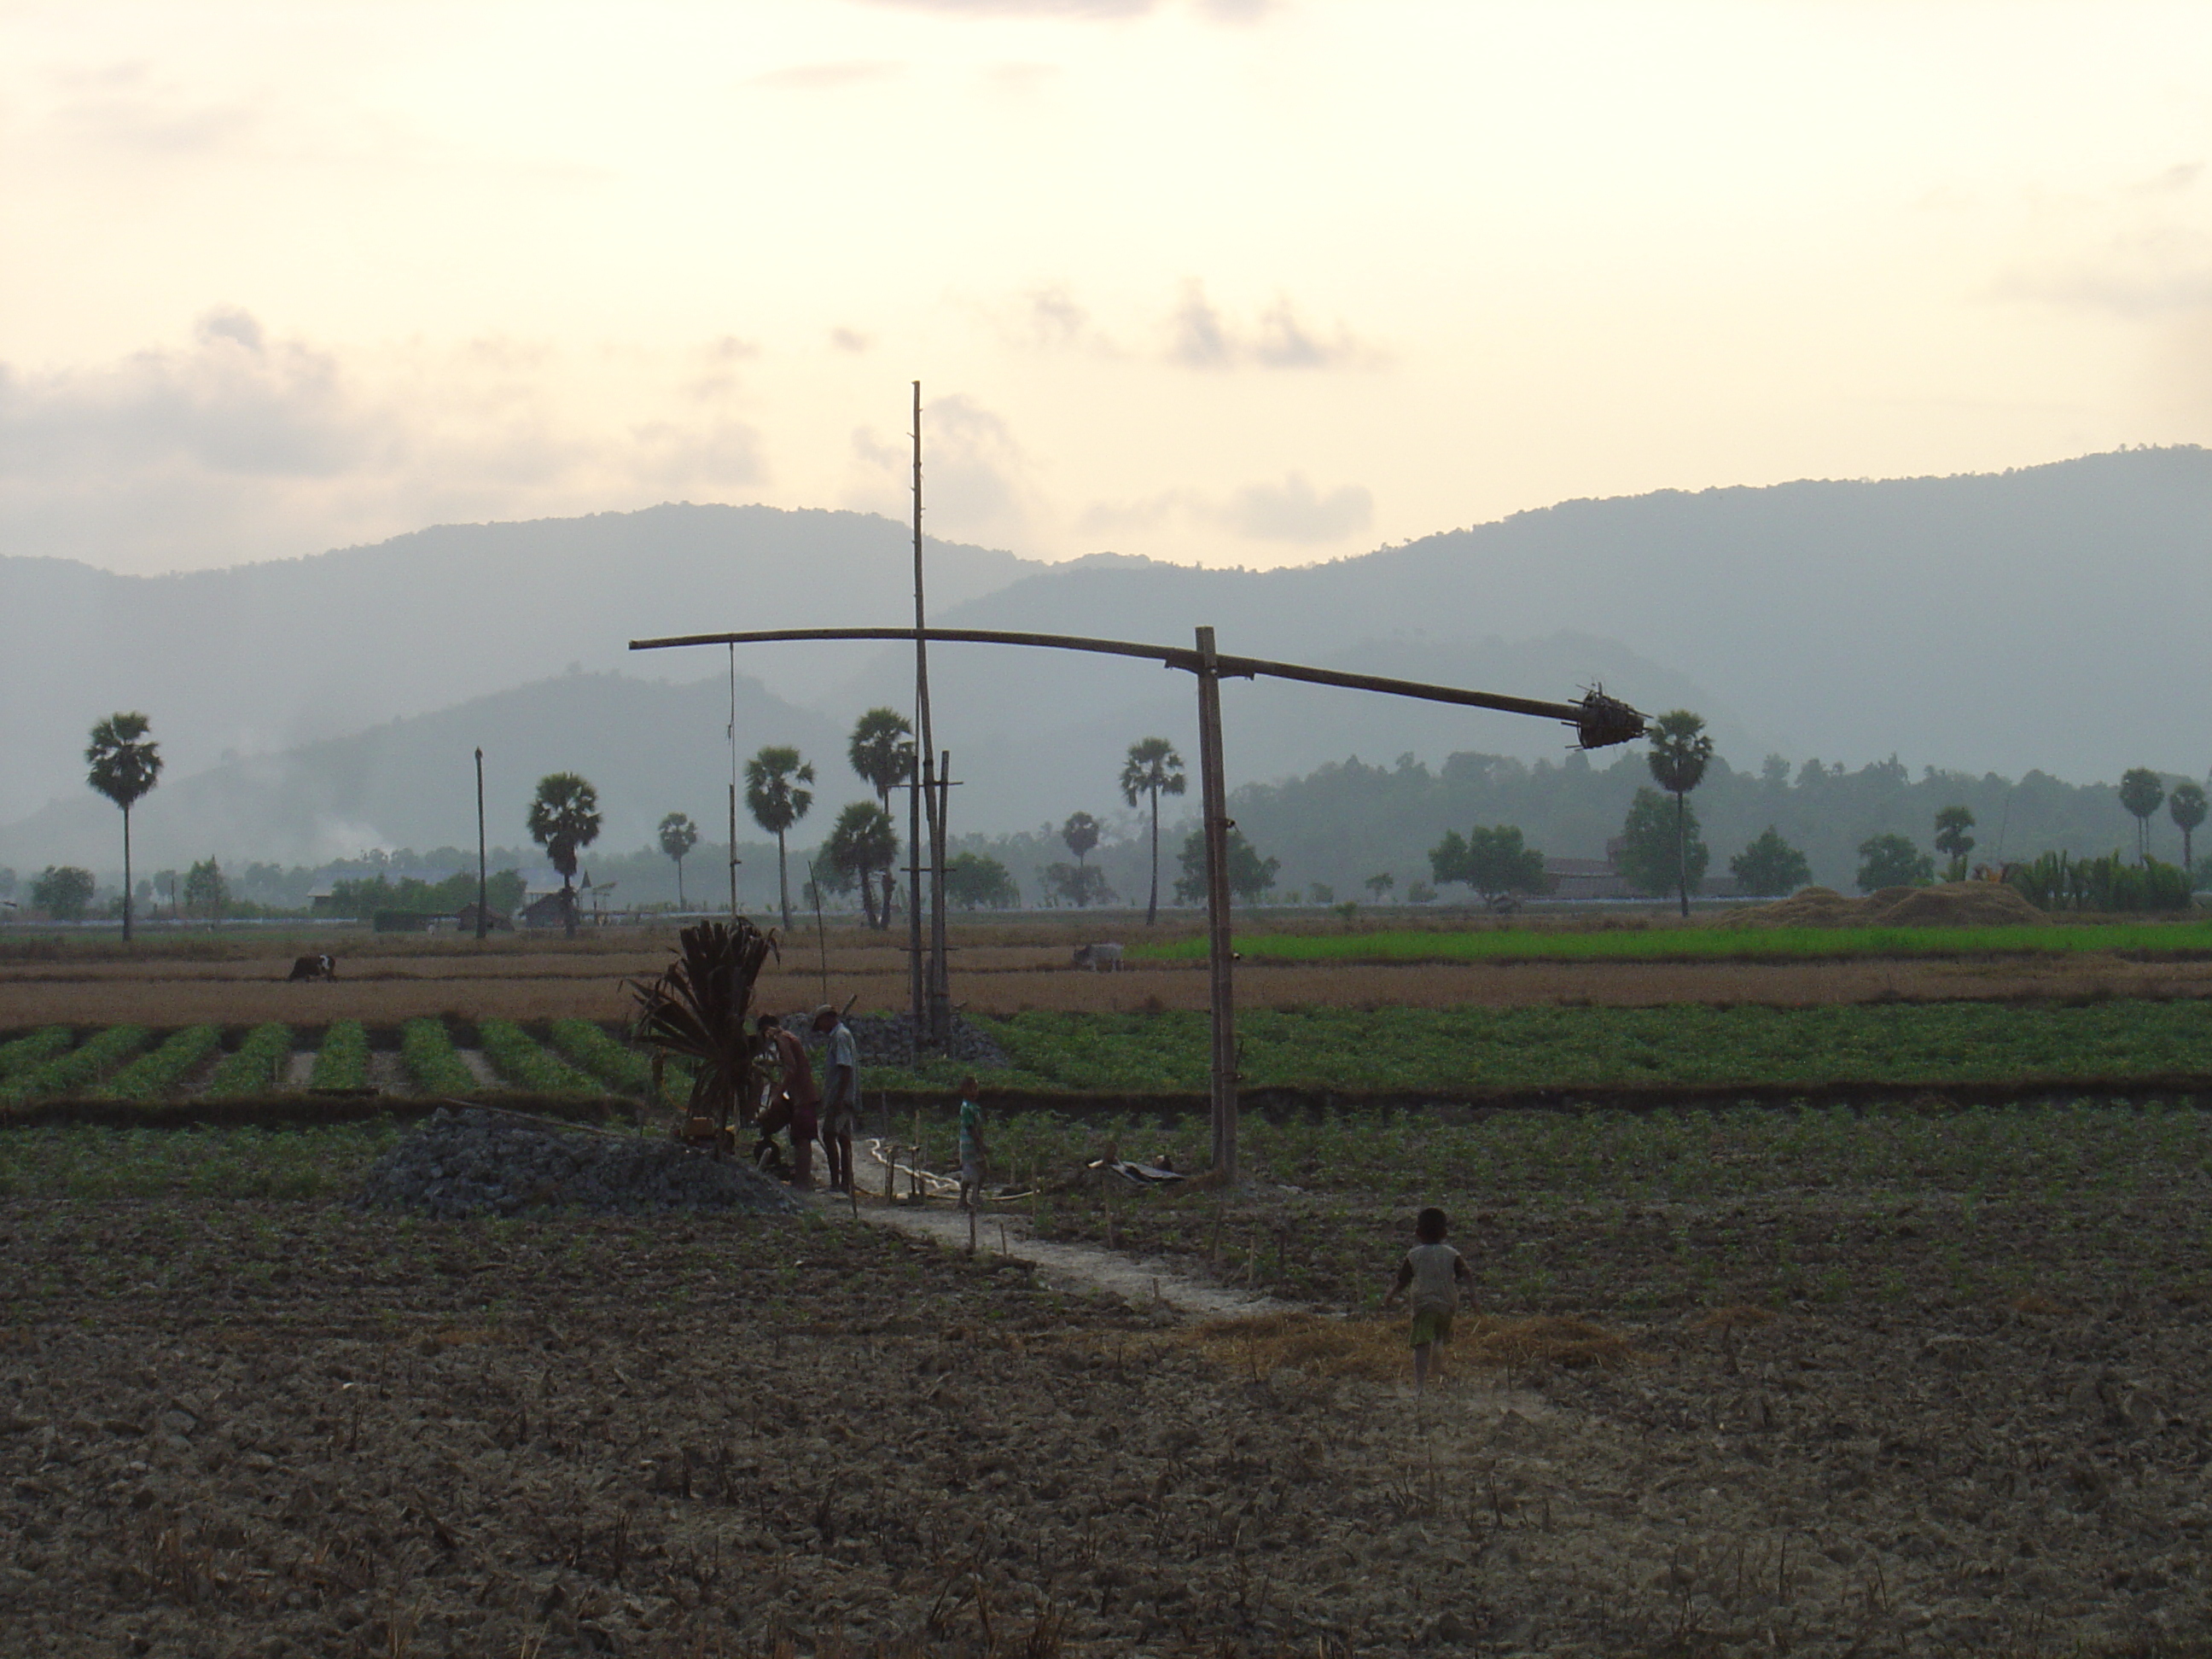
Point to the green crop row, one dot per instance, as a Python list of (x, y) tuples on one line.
[(343, 1060), (89, 1164), (1454, 1050), (257, 1066), (33, 1048), (153, 1075), (85, 1064), (518, 1058), (427, 1047), (1671, 944), (588, 1049)]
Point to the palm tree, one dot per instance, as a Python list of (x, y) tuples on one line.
[(2187, 803), (2141, 791), (678, 836), (1080, 832), (881, 751), (1680, 750), (776, 800), (863, 841), (1153, 769), (564, 819), (126, 764)]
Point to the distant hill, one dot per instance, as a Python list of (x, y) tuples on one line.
[(2048, 618), (262, 658)]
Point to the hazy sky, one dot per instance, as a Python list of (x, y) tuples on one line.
[(1232, 283)]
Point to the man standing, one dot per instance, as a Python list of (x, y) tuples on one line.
[(841, 1095), (791, 1103)]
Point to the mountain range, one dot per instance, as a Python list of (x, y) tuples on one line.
[(2042, 618)]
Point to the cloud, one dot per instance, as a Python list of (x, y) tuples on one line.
[(847, 339), (1200, 337), (243, 444), (976, 475), (121, 108), (1289, 512), (826, 77)]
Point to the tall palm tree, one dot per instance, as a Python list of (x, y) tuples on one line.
[(678, 836), (863, 841), (1680, 750), (564, 819), (126, 764), (775, 798), (1153, 769), (882, 752), (2187, 803), (2140, 792)]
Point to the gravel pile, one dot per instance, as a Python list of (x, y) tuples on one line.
[(471, 1162), (887, 1040)]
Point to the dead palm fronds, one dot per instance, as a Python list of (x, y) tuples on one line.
[(699, 1012)]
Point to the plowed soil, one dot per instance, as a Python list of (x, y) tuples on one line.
[(265, 1428)]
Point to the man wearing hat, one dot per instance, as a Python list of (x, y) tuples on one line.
[(841, 1095)]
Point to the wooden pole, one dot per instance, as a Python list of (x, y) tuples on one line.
[(940, 975), (733, 783), (1214, 791), (483, 876), (918, 801)]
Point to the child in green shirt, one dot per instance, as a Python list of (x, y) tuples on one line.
[(974, 1157)]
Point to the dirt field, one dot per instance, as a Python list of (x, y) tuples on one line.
[(268, 1429), (1000, 969)]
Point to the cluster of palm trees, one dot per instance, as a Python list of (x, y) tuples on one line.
[(862, 846)]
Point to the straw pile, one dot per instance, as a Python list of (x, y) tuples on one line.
[(1375, 1349), (1952, 904)]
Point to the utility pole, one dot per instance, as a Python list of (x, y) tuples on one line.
[(483, 879), (940, 971), (733, 783), (1220, 954), (923, 782)]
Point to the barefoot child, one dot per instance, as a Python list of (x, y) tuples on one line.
[(1434, 1271), (975, 1157)]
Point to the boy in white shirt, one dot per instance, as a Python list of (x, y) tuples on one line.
[(1434, 1271)]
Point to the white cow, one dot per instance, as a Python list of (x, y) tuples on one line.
[(1099, 958)]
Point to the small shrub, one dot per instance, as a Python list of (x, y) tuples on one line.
[(152, 1076), (257, 1065), (343, 1060), (427, 1049), (517, 1057)]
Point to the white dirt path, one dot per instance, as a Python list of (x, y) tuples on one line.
[(1141, 1281)]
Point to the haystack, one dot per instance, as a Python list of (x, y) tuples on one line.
[(1952, 904)]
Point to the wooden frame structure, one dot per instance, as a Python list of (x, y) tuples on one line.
[(1598, 720)]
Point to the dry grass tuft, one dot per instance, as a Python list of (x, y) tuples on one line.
[(1375, 1350), (2030, 1302), (1734, 1318)]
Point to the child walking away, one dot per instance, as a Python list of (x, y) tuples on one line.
[(1433, 1271), (974, 1158)]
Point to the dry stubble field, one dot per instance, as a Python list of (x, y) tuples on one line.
[(1000, 968), (1975, 1417)]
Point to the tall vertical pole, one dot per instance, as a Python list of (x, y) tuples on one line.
[(940, 977), (924, 780), (733, 783), (1213, 804), (484, 876), (917, 1005)]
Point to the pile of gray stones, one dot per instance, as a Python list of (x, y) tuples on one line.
[(479, 1162), (888, 1040)]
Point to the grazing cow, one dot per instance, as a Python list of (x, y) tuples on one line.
[(1099, 958), (314, 967)]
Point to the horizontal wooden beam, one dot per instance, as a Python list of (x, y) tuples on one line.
[(1599, 720)]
